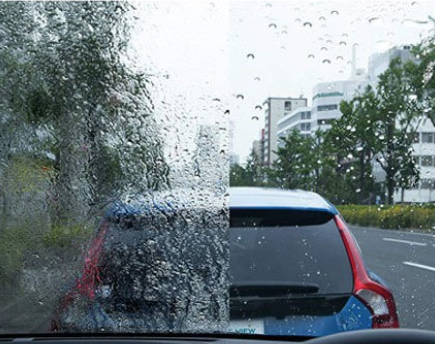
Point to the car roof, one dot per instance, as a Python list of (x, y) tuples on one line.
[(239, 197), (256, 197)]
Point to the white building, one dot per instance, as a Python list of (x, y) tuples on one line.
[(424, 146), (299, 119), (276, 109), (379, 63), (327, 97)]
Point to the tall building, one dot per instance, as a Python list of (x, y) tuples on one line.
[(277, 108), (257, 147), (379, 63), (424, 146), (299, 119), (327, 97)]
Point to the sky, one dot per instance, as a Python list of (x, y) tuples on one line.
[(208, 57)]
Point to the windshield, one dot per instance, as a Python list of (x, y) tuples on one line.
[(232, 167)]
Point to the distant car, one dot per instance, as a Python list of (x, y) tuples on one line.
[(295, 269)]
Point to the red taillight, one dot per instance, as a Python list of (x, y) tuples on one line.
[(375, 296), (87, 284)]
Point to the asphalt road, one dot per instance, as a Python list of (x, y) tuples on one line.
[(406, 261)]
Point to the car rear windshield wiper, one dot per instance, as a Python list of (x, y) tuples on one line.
[(271, 289)]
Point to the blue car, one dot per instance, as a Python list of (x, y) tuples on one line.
[(295, 269)]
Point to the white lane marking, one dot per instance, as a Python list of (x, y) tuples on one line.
[(392, 231), (421, 266), (405, 242)]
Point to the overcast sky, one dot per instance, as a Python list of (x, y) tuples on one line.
[(205, 53)]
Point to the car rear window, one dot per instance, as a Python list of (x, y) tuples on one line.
[(300, 250)]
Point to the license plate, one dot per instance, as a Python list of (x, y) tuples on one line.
[(247, 326)]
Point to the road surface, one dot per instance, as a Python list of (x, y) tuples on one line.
[(406, 261)]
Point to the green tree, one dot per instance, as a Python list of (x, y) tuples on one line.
[(394, 124), (251, 175), (64, 73), (293, 167), (352, 140)]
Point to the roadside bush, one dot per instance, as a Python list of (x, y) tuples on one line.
[(28, 243), (390, 217), (66, 236)]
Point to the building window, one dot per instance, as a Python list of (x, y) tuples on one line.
[(288, 106), (306, 115), (327, 107), (427, 137), (427, 160), (325, 121), (305, 126), (427, 183)]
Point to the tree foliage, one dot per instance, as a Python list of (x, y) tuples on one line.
[(65, 79)]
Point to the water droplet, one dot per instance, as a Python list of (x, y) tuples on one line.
[(227, 112), (358, 190), (272, 26), (250, 56), (284, 32), (308, 24), (257, 78), (283, 47), (326, 61), (216, 100), (254, 118), (324, 49), (258, 107), (322, 18), (311, 56), (339, 58), (240, 96), (268, 4), (334, 13), (375, 21), (343, 43)]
